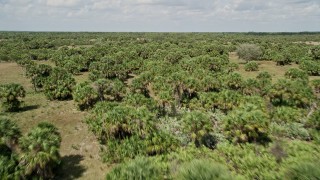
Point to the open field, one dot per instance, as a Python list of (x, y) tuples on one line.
[(277, 72)]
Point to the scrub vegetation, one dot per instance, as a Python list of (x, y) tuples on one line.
[(159, 105)]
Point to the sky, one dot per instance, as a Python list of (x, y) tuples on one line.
[(160, 15)]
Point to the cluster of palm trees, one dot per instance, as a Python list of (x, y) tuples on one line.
[(136, 85)]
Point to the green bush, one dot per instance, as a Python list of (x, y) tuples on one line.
[(264, 75), (314, 120), (59, 85), (291, 93), (252, 161), (248, 123), (316, 85), (11, 95), (138, 100), (251, 66), (128, 132), (264, 80), (159, 142), (311, 67), (283, 58), (8, 167), (315, 53), (38, 74), (234, 81), (197, 125), (303, 171), (204, 170), (40, 152), (285, 114), (121, 150), (290, 130), (85, 96), (137, 169), (296, 74), (225, 100), (251, 87), (9, 133), (9, 136), (72, 67)]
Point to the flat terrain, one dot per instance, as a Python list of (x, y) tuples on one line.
[(79, 147), (276, 72)]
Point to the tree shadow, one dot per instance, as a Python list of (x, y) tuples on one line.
[(28, 108), (70, 167)]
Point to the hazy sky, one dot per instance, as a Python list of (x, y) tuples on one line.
[(160, 15)]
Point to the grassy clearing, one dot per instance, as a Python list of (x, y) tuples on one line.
[(277, 72), (79, 147)]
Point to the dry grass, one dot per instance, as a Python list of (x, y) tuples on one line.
[(79, 147), (276, 72), (314, 43)]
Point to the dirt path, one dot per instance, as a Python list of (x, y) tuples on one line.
[(79, 148)]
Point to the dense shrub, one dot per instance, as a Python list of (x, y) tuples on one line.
[(291, 93), (311, 67), (283, 58), (128, 132), (40, 151), (264, 76), (250, 160), (59, 85), (197, 125), (251, 66), (304, 171), (247, 124), (290, 130), (316, 85), (264, 80), (284, 114), (137, 169), (8, 166), (251, 87), (84, 95), (72, 67), (108, 67), (249, 52), (9, 133), (315, 53), (296, 74), (234, 81), (9, 136), (204, 170), (138, 100), (33, 156), (38, 74), (11, 95), (314, 120)]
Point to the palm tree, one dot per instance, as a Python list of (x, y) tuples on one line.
[(9, 133), (11, 93), (197, 124), (40, 151), (102, 86), (59, 84), (248, 123), (84, 95)]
